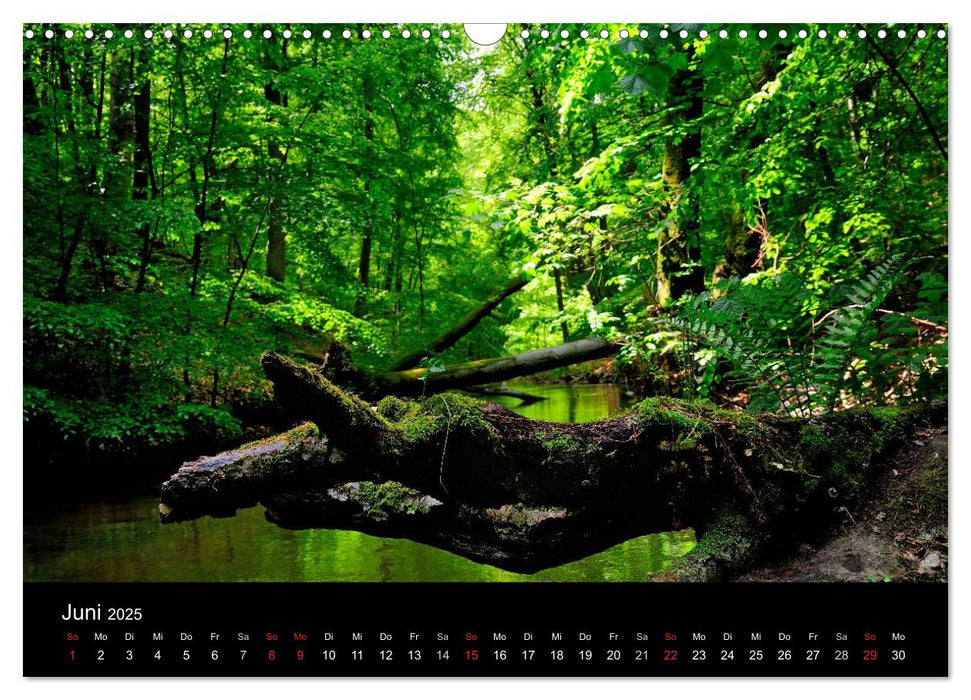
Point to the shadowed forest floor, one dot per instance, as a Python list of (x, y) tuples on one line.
[(900, 532)]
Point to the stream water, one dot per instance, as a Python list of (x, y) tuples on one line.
[(119, 538)]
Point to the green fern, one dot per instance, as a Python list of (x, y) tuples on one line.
[(766, 332), (844, 333)]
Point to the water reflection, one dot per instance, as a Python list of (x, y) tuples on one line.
[(124, 542), (568, 403)]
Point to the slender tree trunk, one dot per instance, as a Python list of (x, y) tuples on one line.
[(421, 276), (32, 123), (121, 140), (276, 250), (144, 182), (744, 244), (367, 235), (558, 281), (679, 267), (90, 177), (200, 191)]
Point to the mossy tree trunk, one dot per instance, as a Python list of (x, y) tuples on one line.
[(477, 479), (679, 268)]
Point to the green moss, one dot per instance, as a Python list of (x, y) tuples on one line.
[(557, 442), (413, 424), (841, 447), (389, 498), (689, 419), (728, 545), (393, 408), (933, 487), (458, 411), (422, 421), (891, 424)]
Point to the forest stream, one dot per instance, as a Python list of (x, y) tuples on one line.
[(119, 538)]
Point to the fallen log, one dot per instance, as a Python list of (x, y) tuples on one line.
[(477, 479), (416, 382), (462, 327)]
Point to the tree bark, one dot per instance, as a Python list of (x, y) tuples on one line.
[(482, 481), (463, 327), (679, 268), (367, 234), (276, 247), (423, 380), (558, 283), (143, 180), (66, 83)]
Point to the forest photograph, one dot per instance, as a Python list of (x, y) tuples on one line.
[(593, 303)]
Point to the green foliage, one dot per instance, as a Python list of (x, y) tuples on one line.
[(113, 426), (792, 357), (402, 182)]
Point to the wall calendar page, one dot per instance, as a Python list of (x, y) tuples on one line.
[(517, 350)]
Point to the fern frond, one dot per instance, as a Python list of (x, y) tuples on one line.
[(843, 337)]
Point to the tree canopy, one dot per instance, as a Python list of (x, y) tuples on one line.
[(758, 219)]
